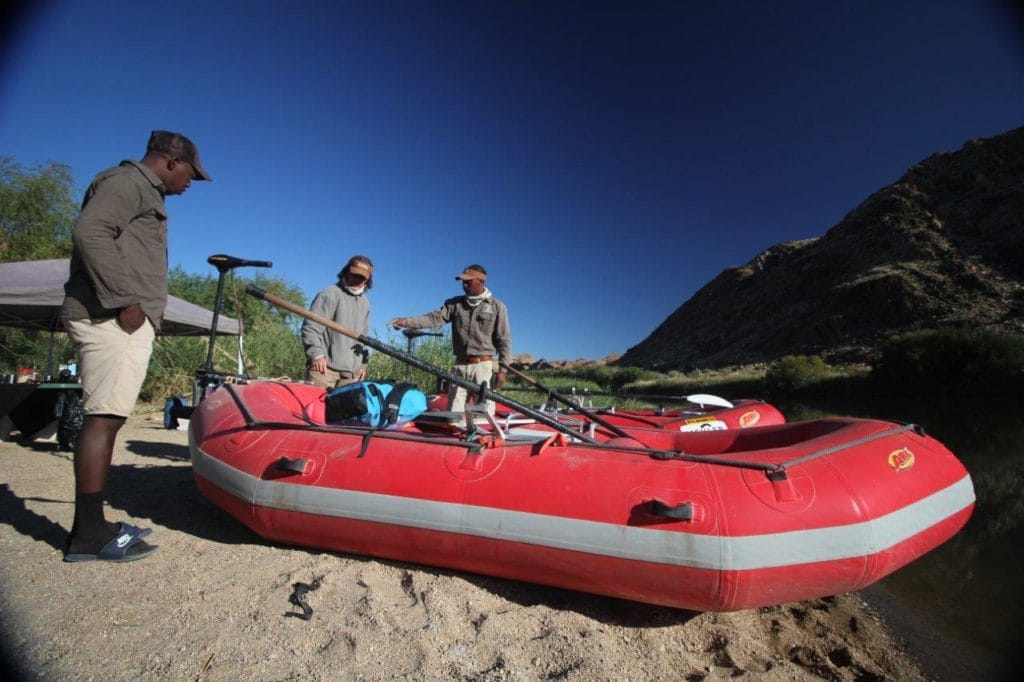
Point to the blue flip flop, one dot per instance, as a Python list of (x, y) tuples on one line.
[(116, 550), (129, 528)]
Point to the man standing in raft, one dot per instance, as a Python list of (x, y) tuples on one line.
[(114, 303), (481, 337)]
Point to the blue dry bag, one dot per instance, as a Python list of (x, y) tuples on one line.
[(376, 404)]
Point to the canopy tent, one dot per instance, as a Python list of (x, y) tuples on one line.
[(31, 294)]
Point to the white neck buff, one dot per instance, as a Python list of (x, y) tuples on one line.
[(474, 301)]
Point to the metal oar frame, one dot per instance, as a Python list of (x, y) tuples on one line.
[(775, 472)]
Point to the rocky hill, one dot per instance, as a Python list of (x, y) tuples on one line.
[(944, 245), (527, 361)]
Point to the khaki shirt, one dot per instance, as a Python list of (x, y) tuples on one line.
[(483, 330), (120, 247)]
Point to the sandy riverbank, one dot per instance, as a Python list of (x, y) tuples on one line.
[(213, 603)]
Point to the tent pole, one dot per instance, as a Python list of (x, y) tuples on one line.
[(49, 357)]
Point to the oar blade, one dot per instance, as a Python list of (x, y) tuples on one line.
[(708, 399)]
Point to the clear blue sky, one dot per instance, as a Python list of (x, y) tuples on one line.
[(602, 160)]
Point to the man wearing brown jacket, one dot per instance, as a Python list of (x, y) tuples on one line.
[(113, 306), (481, 336)]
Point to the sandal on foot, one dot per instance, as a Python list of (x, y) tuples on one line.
[(129, 528), (117, 550), (122, 527)]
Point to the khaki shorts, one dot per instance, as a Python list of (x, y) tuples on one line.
[(330, 378), (480, 372), (112, 363)]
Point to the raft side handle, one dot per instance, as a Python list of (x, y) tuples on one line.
[(297, 465), (473, 461), (782, 486), (681, 512), (558, 440), (909, 426)]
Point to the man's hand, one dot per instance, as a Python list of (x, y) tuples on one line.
[(361, 374), (500, 378), (397, 322), (319, 364), (131, 317)]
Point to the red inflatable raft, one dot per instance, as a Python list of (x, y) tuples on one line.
[(738, 414), (711, 520), (741, 414)]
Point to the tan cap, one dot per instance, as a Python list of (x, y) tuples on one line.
[(472, 272), (177, 146), (360, 268)]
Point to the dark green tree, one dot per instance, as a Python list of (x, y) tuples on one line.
[(37, 211)]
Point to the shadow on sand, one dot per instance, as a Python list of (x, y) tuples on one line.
[(166, 495)]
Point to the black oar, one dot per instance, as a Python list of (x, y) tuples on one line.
[(565, 401), (481, 390)]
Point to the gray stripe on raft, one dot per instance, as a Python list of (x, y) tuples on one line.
[(713, 552)]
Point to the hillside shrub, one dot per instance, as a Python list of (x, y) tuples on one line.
[(628, 375), (794, 372), (611, 378), (599, 375), (951, 359)]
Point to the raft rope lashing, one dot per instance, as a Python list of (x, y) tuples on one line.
[(252, 423), (850, 444), (778, 471), (774, 471)]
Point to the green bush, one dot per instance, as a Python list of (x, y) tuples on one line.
[(794, 372), (628, 375), (599, 375), (272, 347), (607, 377), (951, 359), (436, 351)]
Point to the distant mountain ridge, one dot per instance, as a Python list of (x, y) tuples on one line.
[(942, 245)]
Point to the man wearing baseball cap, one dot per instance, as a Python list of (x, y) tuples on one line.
[(175, 146), (334, 359), (113, 306), (481, 336)]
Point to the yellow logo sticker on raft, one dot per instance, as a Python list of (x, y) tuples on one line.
[(703, 424), (901, 459), (749, 419)]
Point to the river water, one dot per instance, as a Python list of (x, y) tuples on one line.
[(969, 590)]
